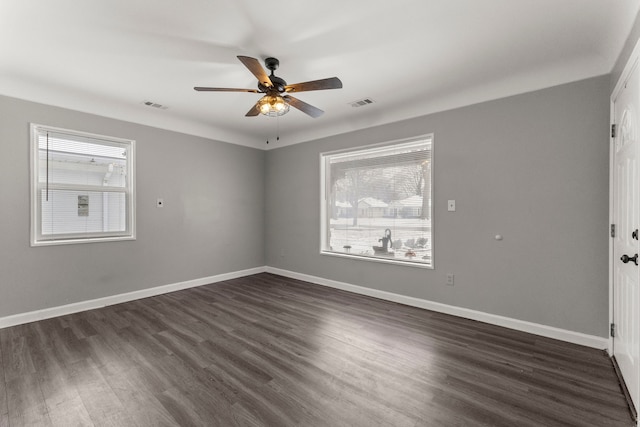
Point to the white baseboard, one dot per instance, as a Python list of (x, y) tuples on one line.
[(48, 313), (519, 325)]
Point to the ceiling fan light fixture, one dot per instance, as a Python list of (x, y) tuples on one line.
[(273, 105)]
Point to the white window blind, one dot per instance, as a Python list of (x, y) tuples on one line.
[(82, 187), (377, 202)]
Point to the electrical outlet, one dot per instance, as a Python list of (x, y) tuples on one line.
[(450, 277)]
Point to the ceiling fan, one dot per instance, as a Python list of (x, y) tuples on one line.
[(277, 100)]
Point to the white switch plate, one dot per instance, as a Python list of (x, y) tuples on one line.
[(451, 205), (160, 203)]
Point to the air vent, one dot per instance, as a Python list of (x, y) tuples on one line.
[(361, 102), (155, 105)]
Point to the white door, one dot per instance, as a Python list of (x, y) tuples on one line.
[(626, 217)]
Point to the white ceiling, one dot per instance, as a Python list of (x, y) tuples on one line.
[(412, 57)]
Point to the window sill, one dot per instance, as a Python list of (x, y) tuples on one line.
[(394, 261), (78, 241)]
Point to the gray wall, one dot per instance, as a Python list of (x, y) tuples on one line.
[(212, 222), (532, 167)]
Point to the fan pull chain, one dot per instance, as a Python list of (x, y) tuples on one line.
[(277, 129)]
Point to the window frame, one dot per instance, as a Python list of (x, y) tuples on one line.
[(36, 236), (325, 191)]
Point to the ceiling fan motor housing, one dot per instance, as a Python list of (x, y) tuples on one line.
[(278, 83), (271, 64)]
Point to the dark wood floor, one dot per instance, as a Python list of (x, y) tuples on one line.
[(270, 351)]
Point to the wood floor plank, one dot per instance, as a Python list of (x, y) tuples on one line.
[(17, 356), (63, 403), (189, 408), (197, 397), (138, 401), (102, 404), (4, 410), (26, 404), (265, 350)]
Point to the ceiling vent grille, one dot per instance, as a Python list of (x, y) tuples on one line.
[(155, 105), (361, 102)]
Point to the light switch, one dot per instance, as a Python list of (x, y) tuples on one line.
[(451, 205)]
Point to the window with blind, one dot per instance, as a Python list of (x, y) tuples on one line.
[(377, 202), (82, 187)]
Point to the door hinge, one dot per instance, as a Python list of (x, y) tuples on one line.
[(613, 230), (613, 131), (612, 331)]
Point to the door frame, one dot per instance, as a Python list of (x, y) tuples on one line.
[(626, 73), (633, 58)]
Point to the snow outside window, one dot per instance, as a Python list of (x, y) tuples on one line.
[(377, 204), (81, 187)]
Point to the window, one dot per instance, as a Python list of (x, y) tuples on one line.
[(377, 202), (82, 187)]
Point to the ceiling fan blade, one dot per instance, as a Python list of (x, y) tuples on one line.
[(330, 83), (303, 106), (256, 69), (254, 111), (224, 89)]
